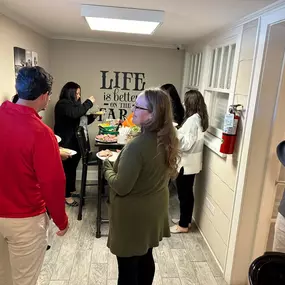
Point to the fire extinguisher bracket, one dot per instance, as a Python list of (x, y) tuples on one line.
[(235, 108)]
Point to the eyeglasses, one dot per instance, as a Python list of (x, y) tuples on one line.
[(139, 108)]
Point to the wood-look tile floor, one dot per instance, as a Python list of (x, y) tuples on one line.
[(79, 258)]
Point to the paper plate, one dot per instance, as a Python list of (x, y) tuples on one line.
[(111, 158), (70, 151)]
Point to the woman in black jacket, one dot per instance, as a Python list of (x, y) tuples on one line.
[(177, 107), (68, 112)]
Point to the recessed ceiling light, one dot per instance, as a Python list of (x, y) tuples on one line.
[(124, 20)]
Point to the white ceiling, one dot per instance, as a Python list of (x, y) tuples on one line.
[(185, 20)]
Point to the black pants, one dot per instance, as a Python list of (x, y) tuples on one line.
[(136, 270), (70, 166), (186, 197)]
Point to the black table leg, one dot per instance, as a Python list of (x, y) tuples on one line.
[(101, 189), (99, 201)]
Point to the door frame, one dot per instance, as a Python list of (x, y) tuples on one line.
[(248, 220), (272, 167)]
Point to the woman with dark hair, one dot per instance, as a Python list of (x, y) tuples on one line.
[(177, 107), (15, 98), (68, 113), (191, 138), (139, 189)]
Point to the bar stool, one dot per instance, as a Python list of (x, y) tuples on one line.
[(88, 158)]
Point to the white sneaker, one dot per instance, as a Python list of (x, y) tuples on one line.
[(176, 221)]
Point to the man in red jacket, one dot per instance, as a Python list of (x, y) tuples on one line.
[(32, 179)]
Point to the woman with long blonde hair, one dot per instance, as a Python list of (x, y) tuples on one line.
[(191, 142), (139, 197)]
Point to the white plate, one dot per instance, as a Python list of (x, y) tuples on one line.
[(70, 151), (58, 139), (99, 113), (175, 124), (111, 158)]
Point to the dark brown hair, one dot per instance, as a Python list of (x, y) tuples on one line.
[(68, 91), (161, 122), (177, 107), (15, 98), (194, 103)]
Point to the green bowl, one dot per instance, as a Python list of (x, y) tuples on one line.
[(111, 130)]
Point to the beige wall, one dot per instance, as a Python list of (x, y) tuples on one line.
[(82, 61), (11, 35), (215, 185)]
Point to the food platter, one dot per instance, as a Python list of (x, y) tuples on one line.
[(106, 138), (107, 154)]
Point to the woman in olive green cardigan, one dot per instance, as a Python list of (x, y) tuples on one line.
[(139, 197)]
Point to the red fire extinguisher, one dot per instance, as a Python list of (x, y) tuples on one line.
[(230, 130)]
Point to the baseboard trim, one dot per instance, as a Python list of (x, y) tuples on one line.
[(92, 175), (212, 252)]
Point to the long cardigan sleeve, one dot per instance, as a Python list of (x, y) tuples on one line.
[(130, 163)]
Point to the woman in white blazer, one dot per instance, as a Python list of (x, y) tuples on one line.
[(191, 138)]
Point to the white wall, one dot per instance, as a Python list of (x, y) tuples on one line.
[(215, 185), (82, 62), (14, 35)]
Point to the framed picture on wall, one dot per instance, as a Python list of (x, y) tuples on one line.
[(23, 58), (28, 58), (34, 58), (19, 59)]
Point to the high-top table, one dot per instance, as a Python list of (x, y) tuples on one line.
[(102, 146)]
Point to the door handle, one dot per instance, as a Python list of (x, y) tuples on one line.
[(277, 183)]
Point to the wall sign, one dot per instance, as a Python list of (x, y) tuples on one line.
[(120, 90)]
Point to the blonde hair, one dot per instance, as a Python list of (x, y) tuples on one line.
[(161, 123)]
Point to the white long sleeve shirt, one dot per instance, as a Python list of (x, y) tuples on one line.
[(191, 138)]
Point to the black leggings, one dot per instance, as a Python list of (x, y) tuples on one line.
[(186, 197), (136, 270), (70, 166)]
